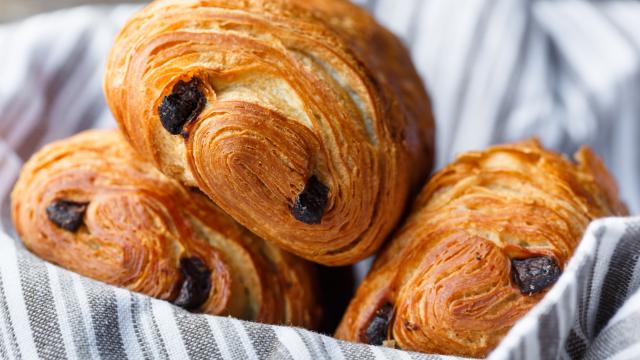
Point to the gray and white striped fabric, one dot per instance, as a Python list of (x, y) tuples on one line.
[(497, 70)]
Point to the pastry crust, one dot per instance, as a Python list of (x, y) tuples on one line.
[(136, 228), (448, 273), (284, 91)]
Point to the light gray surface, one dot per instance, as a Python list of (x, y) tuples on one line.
[(11, 10)]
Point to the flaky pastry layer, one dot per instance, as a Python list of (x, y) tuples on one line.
[(91, 205), (305, 120), (487, 237)]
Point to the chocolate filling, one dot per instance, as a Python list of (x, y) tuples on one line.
[(184, 104), (535, 274), (309, 205), (377, 330), (196, 283), (66, 214)]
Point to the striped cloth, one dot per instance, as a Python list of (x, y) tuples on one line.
[(497, 70)]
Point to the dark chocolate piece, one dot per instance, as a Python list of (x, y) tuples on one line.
[(309, 205), (535, 274), (196, 283), (66, 214), (378, 327), (184, 104)]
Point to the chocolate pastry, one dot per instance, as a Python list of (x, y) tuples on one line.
[(488, 236), (305, 120), (91, 205)]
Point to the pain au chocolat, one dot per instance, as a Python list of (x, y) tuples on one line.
[(91, 205), (487, 237), (304, 120)]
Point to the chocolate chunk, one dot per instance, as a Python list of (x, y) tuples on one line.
[(184, 104), (66, 214), (378, 327), (196, 283), (535, 274), (309, 205)]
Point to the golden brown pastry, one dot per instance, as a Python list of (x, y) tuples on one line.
[(303, 119), (90, 205), (488, 236)]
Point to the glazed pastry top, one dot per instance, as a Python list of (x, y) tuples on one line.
[(303, 119), (91, 205), (488, 235)]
